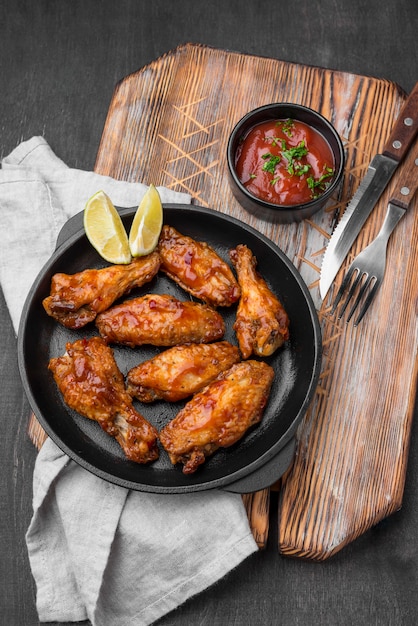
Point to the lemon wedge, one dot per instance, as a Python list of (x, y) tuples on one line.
[(147, 224), (105, 230)]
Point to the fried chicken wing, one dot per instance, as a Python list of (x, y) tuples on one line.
[(197, 268), (160, 320), (262, 324), (76, 299), (219, 415), (181, 371), (91, 384)]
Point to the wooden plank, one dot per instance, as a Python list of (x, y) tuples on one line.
[(257, 505), (169, 124), (36, 433)]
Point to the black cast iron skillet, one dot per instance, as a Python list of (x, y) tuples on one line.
[(264, 453)]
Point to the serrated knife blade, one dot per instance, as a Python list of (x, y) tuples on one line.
[(379, 173)]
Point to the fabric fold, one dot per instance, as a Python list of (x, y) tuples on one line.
[(120, 557), (70, 535)]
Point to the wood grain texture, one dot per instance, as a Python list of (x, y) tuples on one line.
[(169, 124), (362, 412), (257, 505)]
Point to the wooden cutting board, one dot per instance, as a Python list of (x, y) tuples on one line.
[(168, 124)]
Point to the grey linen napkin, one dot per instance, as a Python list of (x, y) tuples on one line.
[(98, 551)]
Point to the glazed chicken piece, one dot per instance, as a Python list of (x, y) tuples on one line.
[(219, 415), (181, 371), (197, 268), (262, 324), (160, 320), (91, 383), (76, 299)]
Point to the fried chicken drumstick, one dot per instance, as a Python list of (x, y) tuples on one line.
[(197, 268), (76, 299), (91, 384), (219, 415), (160, 320), (181, 371), (262, 324)]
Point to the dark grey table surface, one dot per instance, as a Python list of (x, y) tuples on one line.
[(59, 63)]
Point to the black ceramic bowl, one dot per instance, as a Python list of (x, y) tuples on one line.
[(281, 111)]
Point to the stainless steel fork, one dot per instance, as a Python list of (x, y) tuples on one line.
[(366, 273)]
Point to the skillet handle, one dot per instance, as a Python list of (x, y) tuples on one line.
[(71, 227), (267, 474)]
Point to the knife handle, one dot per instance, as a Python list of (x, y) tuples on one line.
[(405, 129), (407, 184)]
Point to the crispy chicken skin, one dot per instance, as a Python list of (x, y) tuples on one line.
[(160, 320), (181, 371), (197, 268), (262, 324), (76, 299), (91, 384), (219, 415)]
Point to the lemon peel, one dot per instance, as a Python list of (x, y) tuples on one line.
[(105, 230), (147, 224)]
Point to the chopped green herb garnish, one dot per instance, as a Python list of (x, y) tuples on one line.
[(270, 164), (297, 152), (322, 183), (287, 126), (291, 154), (275, 141), (300, 170)]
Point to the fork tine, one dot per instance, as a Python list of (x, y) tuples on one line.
[(350, 293), (370, 263), (367, 302), (360, 294), (357, 278), (343, 288)]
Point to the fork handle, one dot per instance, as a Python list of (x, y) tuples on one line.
[(407, 184), (393, 214), (405, 128), (401, 197)]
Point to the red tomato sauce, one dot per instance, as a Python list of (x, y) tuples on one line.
[(284, 162)]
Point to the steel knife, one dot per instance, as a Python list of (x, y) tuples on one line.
[(379, 173)]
